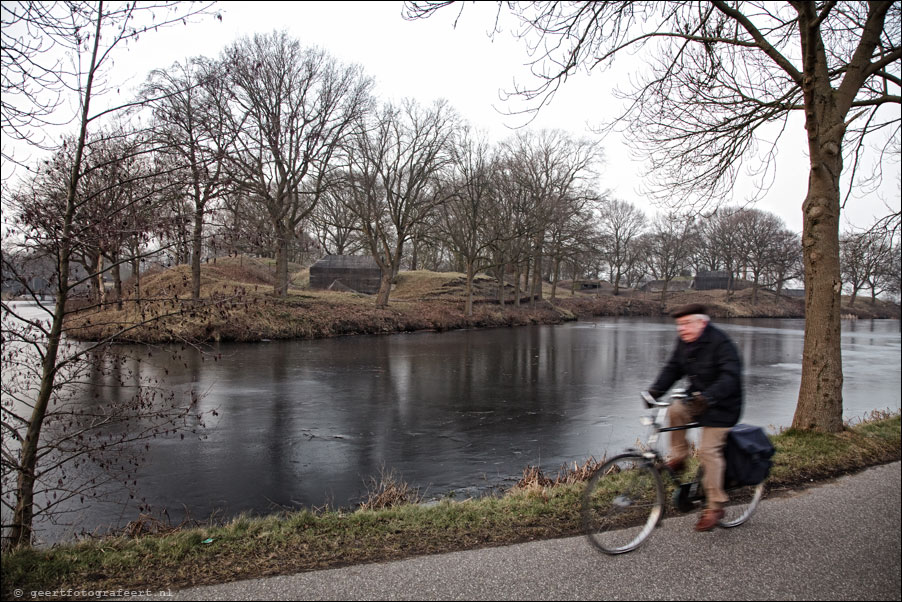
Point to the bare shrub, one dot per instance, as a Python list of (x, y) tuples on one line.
[(388, 491)]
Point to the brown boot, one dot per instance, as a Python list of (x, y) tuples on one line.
[(709, 519)]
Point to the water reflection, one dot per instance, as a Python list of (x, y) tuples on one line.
[(308, 422)]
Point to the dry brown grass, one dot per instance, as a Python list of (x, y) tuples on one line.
[(424, 284), (146, 524), (389, 490), (534, 479)]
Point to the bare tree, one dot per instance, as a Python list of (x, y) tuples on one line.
[(392, 169), (463, 215), (428, 247), (730, 244), (512, 224), (865, 259), (706, 255), (189, 102), (621, 223), (293, 109), (885, 278), (853, 255), (718, 72), (786, 260), (114, 215), (760, 234), (570, 229), (56, 52), (241, 227), (553, 172), (634, 269), (334, 225), (668, 247)]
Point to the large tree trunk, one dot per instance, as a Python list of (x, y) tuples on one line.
[(820, 394)]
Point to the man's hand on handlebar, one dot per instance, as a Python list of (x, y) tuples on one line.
[(698, 405), (649, 398)]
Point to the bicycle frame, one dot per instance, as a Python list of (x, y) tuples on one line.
[(688, 492), (656, 421)]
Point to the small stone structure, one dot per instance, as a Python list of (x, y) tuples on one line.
[(707, 281), (354, 272)]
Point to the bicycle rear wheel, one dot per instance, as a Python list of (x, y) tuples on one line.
[(742, 504), (622, 503)]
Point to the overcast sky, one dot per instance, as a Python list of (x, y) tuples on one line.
[(431, 59)]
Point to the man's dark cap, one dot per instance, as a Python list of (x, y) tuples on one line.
[(688, 310)]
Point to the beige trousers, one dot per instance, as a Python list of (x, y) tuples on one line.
[(710, 453)]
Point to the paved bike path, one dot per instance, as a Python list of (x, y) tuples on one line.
[(837, 541)]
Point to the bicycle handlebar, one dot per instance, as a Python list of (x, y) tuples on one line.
[(651, 402)]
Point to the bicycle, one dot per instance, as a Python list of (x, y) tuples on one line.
[(624, 500)]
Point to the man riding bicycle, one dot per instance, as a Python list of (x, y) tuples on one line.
[(709, 359)]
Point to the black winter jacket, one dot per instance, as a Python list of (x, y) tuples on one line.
[(712, 365)]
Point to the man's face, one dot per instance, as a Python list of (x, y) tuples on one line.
[(689, 328)]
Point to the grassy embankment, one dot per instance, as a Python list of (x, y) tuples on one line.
[(538, 507), (237, 305)]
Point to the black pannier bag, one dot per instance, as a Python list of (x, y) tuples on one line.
[(748, 454)]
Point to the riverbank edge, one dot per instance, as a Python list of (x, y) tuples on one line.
[(236, 304), (326, 315), (246, 547)]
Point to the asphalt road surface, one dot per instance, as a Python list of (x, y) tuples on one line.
[(836, 541)]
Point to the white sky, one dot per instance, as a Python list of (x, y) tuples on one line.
[(430, 59)]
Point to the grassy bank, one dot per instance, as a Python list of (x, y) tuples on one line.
[(237, 305), (538, 507)]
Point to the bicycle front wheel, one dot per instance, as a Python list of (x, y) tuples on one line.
[(742, 504), (622, 503)]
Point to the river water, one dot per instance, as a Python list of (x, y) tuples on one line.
[(310, 423)]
